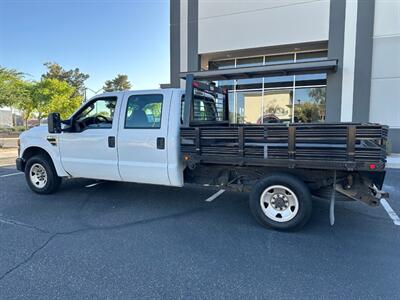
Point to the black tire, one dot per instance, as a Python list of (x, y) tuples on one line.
[(53, 180), (298, 187)]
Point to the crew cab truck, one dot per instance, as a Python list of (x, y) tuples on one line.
[(177, 137)]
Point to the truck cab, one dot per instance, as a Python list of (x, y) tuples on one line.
[(124, 136)]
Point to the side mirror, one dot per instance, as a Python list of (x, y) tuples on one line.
[(54, 123)]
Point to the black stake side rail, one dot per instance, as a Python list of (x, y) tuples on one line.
[(336, 146)]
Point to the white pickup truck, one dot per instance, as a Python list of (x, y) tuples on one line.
[(143, 137), (122, 136)]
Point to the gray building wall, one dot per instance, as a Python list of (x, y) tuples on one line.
[(225, 25), (385, 81), (364, 35)]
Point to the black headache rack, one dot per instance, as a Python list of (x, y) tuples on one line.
[(333, 146)]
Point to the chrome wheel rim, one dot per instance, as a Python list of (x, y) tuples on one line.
[(38, 175), (279, 203)]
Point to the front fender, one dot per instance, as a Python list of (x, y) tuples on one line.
[(51, 149)]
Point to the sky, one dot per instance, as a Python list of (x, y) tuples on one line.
[(101, 37)]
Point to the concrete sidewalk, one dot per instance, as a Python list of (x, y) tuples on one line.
[(8, 156), (9, 142)]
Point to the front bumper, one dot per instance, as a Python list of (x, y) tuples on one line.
[(20, 163)]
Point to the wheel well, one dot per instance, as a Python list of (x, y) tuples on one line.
[(33, 151)]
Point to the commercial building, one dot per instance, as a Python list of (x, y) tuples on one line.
[(362, 38)]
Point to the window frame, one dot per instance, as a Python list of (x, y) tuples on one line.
[(127, 105)]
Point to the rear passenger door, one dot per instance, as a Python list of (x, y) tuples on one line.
[(142, 137)]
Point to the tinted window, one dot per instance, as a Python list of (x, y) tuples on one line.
[(250, 61), (279, 59), (221, 64), (311, 56), (144, 111)]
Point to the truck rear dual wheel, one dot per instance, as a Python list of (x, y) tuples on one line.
[(281, 201), (41, 175)]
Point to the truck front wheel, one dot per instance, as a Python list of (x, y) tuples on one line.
[(41, 175), (281, 201)]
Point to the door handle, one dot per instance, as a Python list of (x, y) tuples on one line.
[(111, 141), (160, 143)]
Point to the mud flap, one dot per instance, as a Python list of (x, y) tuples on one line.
[(332, 204)]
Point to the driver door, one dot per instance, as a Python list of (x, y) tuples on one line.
[(90, 150)]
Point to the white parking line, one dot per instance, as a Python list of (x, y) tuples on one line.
[(92, 185), (390, 211), (12, 174), (216, 195)]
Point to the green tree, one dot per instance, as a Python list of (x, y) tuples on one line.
[(11, 90), (15, 92), (27, 104), (53, 95), (119, 83), (307, 112), (74, 78), (318, 95)]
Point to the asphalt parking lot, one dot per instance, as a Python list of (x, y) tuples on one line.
[(116, 240)]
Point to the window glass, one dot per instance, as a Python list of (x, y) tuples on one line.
[(249, 107), (232, 107), (98, 114), (279, 59), (311, 79), (310, 105), (228, 84), (311, 56), (277, 106), (278, 81), (144, 111), (221, 64), (249, 83), (249, 61)]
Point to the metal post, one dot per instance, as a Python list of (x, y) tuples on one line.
[(188, 112), (226, 105)]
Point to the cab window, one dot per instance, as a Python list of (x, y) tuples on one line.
[(144, 111), (96, 115), (204, 108)]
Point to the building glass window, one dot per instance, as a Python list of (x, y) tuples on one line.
[(228, 84), (221, 64), (277, 106), (250, 61), (310, 79), (276, 99), (310, 105), (278, 81), (279, 59), (249, 105), (249, 84), (311, 56)]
